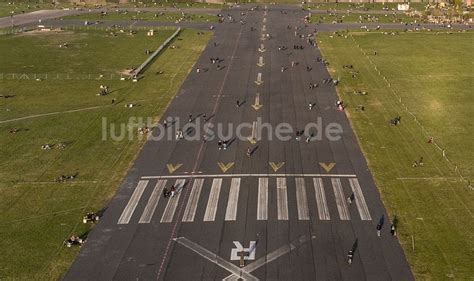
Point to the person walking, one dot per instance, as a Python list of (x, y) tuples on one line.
[(379, 228)]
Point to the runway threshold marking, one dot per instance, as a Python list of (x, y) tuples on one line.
[(301, 199), (173, 168), (276, 165), (262, 200), (225, 167), (359, 200), (248, 175), (323, 210), (193, 200), (282, 199), (170, 208), (152, 202), (232, 202), (340, 199), (327, 167), (211, 209), (132, 203)]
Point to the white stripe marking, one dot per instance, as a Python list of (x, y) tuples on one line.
[(360, 200), (262, 207), (132, 202), (211, 209), (301, 200), (232, 202), (170, 209), (248, 175), (340, 199), (152, 202), (193, 200), (282, 199), (323, 210)]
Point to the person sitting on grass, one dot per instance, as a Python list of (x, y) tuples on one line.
[(46, 146), (74, 240)]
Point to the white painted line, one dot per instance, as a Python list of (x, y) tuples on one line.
[(254, 131), (360, 200), (211, 209), (282, 199), (301, 199), (340, 199), (249, 175), (132, 202), (232, 202), (170, 208), (323, 210), (193, 200), (152, 202), (262, 204)]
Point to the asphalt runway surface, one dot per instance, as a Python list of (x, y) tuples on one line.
[(279, 214)]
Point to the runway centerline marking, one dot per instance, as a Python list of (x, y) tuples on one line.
[(259, 80)]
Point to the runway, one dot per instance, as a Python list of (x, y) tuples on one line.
[(260, 208)]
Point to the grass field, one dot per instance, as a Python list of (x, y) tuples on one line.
[(37, 213), (363, 18), (361, 6), (7, 9), (432, 73), (147, 16)]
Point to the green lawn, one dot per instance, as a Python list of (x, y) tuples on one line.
[(147, 16), (37, 213), (16, 8), (432, 74), (361, 6), (363, 18)]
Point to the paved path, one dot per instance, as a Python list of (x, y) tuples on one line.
[(284, 207)]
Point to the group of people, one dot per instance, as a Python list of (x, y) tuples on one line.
[(90, 217), (223, 145), (215, 60), (143, 130), (396, 121), (74, 240), (171, 192), (418, 163), (103, 90), (64, 178)]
